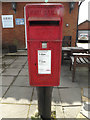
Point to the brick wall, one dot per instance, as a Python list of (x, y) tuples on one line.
[(9, 35)]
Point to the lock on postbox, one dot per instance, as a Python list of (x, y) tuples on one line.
[(44, 40)]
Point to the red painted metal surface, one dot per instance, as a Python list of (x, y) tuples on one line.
[(44, 24)]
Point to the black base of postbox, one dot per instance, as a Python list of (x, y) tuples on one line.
[(44, 102)]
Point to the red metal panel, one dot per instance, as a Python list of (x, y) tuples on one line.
[(44, 33), (49, 32)]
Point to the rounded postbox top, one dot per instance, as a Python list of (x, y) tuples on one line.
[(44, 4), (44, 11)]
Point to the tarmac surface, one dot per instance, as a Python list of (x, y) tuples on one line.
[(19, 100)]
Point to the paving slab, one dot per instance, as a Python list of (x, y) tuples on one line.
[(8, 60), (81, 75), (0, 70), (6, 80), (83, 81), (22, 81), (66, 73), (70, 96), (18, 53), (26, 63), (71, 112), (19, 63), (12, 72), (0, 64), (16, 66), (33, 109), (2, 91), (67, 82), (21, 60), (13, 111), (56, 97), (85, 111), (21, 95), (24, 57), (81, 117), (64, 67), (82, 69), (26, 66), (86, 92), (34, 98), (0, 79), (24, 72), (59, 112), (14, 119)]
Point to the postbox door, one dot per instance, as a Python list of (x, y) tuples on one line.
[(50, 78)]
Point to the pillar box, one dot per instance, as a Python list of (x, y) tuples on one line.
[(44, 40)]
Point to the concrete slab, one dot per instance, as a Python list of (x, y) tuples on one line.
[(22, 81), (34, 98), (81, 117), (64, 67), (24, 72), (66, 73), (16, 66), (14, 119), (83, 81), (67, 82), (13, 111), (0, 79), (6, 80), (18, 53), (56, 97), (86, 92), (70, 96), (21, 60), (0, 70), (24, 57), (12, 72), (2, 91), (81, 75), (21, 95), (71, 112), (85, 111), (8, 60), (26, 65), (59, 112), (33, 109)]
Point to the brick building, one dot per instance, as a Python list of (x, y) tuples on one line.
[(84, 27), (17, 33)]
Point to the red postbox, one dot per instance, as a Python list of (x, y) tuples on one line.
[(44, 40)]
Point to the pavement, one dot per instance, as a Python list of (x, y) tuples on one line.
[(19, 100)]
